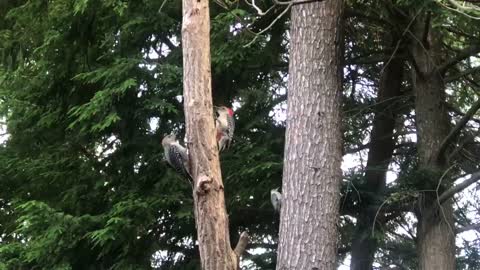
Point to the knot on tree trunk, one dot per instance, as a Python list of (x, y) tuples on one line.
[(203, 184)]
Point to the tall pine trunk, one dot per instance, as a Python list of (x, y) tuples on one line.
[(312, 174), (382, 143), (210, 213), (435, 230)]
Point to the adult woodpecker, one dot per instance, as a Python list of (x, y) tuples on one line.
[(176, 155), (225, 126), (276, 198)]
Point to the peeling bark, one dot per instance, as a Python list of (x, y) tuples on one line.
[(209, 200)]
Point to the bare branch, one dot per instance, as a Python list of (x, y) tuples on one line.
[(167, 42), (459, 9), (161, 6), (353, 13), (367, 145), (259, 11), (462, 74), (467, 52), (221, 4), (262, 245), (242, 244), (268, 27), (469, 228), (278, 2), (456, 111), (458, 127), (459, 148), (373, 59), (468, 7), (458, 188)]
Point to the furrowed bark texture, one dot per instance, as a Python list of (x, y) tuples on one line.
[(435, 229), (382, 143), (312, 174), (210, 212)]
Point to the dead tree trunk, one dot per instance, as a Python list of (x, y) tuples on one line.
[(210, 213), (312, 174)]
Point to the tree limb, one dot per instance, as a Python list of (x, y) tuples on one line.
[(372, 59), (469, 228), (367, 145), (467, 52), (349, 12), (242, 244), (278, 2), (458, 188), (459, 148), (455, 110), (469, 7), (458, 127), (167, 42), (462, 74), (269, 26)]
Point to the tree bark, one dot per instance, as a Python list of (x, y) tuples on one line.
[(382, 143), (312, 174), (435, 229), (210, 212)]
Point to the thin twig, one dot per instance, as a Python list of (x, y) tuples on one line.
[(268, 27), (376, 215), (461, 55), (438, 199), (400, 39), (161, 6), (259, 11), (277, 2)]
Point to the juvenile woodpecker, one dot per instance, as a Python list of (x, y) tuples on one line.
[(225, 126), (176, 155), (276, 198)]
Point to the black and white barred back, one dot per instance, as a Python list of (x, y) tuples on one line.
[(177, 158), (231, 124)]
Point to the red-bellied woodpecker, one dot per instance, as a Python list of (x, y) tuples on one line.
[(176, 155), (225, 126), (276, 198)]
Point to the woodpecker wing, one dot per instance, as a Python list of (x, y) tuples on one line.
[(178, 160), (276, 198), (231, 125)]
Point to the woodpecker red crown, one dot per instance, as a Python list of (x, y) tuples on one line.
[(230, 111)]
